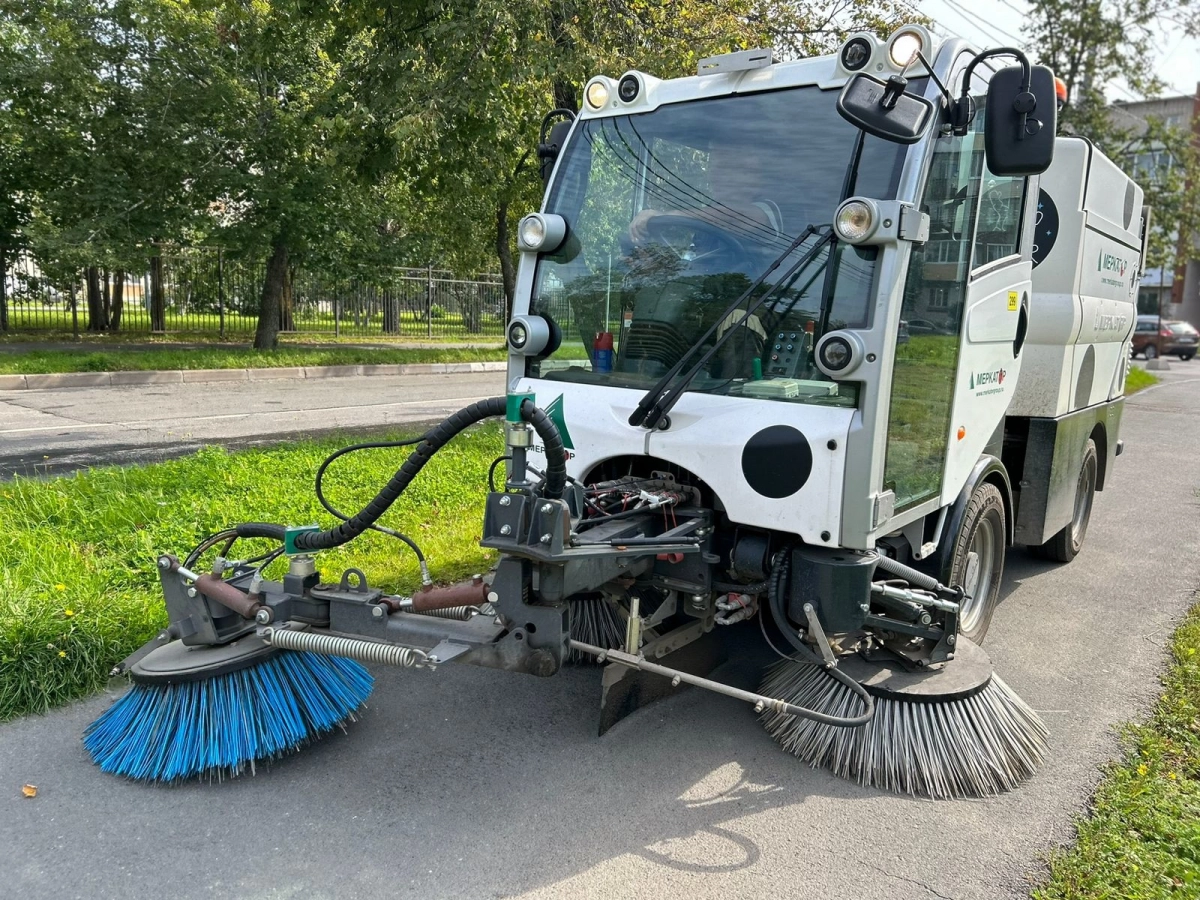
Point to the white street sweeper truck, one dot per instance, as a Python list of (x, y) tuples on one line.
[(798, 349)]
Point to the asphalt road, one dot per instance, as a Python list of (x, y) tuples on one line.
[(480, 784), (50, 431)]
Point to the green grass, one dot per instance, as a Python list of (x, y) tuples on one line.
[(36, 362), (1136, 379), (78, 585), (1142, 837)]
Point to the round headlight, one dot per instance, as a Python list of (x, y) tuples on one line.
[(596, 94), (836, 354), (855, 221), (856, 53), (529, 335), (541, 232), (904, 47), (839, 353), (532, 231), (628, 87)]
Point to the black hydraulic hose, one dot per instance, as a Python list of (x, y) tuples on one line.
[(436, 438), (260, 530), (337, 513), (733, 587)]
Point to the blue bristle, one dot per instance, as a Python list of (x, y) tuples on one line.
[(221, 726)]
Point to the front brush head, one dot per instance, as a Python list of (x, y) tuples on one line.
[(222, 725), (965, 743)]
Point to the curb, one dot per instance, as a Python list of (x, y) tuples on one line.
[(200, 376)]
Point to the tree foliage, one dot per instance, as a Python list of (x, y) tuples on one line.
[(323, 135), (1096, 44)]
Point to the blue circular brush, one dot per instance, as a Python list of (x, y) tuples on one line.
[(221, 725)]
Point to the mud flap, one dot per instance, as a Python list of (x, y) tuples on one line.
[(627, 690)]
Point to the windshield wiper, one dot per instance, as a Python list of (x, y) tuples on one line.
[(657, 401)]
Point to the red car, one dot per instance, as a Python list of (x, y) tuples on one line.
[(1171, 337)]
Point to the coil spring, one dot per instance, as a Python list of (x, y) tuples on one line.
[(457, 613), (328, 645)]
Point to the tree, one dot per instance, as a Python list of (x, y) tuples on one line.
[(1096, 44)]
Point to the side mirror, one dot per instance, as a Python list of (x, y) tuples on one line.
[(884, 109), (1019, 126), (552, 142)]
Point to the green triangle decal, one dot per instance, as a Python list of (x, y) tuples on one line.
[(972, 384), (555, 412)]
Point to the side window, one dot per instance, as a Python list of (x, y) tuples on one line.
[(935, 291), (1000, 210)]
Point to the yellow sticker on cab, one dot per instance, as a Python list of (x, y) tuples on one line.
[(1012, 301)]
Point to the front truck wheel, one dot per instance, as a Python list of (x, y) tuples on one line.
[(1065, 545), (978, 561)]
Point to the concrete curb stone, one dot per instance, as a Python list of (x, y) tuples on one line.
[(276, 374), (193, 376), (202, 375), (331, 371), (69, 379), (159, 376)]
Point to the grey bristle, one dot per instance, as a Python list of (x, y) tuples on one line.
[(595, 621), (975, 747)]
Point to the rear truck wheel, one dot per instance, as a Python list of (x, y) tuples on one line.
[(1065, 545), (978, 561), (1150, 352)]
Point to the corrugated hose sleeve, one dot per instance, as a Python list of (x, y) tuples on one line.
[(436, 438)]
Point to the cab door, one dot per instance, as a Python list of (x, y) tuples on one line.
[(966, 292)]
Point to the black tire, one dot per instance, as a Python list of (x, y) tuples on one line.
[(984, 536), (1150, 352), (1186, 356), (1065, 545)]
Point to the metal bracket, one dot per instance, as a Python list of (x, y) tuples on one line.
[(914, 225), (818, 635)]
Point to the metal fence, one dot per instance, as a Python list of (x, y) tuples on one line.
[(206, 292)]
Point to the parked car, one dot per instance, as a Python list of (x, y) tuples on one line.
[(1167, 337)]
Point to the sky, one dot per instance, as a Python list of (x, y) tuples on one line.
[(998, 22)]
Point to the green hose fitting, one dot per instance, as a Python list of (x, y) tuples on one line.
[(512, 413), (289, 538)]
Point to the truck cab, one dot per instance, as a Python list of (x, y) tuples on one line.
[(829, 314)]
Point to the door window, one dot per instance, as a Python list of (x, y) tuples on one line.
[(934, 293)]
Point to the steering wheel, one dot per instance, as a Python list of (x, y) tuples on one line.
[(723, 244)]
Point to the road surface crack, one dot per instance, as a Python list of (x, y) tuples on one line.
[(915, 881)]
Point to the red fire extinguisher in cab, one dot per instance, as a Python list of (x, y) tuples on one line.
[(602, 352)]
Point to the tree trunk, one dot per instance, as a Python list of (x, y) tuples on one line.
[(391, 312), (508, 270), (158, 300), (106, 297), (287, 313), (266, 337), (118, 300), (3, 291), (97, 320)]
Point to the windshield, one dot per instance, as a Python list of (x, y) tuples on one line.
[(672, 214)]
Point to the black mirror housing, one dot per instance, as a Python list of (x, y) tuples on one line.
[(547, 151), (902, 120), (1019, 126)]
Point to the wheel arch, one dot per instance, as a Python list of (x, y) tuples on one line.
[(1099, 436), (989, 469)]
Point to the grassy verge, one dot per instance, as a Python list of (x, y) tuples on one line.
[(78, 587), (1137, 379), (1142, 839), (36, 362)]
